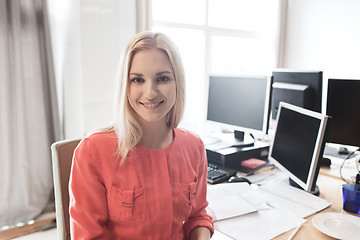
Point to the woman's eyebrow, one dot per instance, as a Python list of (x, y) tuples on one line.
[(137, 74), (163, 72), (157, 74)]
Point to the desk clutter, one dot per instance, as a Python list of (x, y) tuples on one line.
[(238, 209), (218, 174), (351, 197)]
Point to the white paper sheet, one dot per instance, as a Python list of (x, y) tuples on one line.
[(263, 224), (226, 200), (240, 211), (291, 199)]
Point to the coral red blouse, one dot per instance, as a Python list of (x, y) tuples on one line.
[(155, 194)]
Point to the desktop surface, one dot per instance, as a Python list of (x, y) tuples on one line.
[(331, 190), (330, 185)]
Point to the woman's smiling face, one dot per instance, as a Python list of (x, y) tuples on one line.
[(152, 90)]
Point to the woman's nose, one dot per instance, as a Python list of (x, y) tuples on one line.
[(151, 90)]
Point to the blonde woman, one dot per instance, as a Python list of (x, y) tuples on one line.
[(142, 178)]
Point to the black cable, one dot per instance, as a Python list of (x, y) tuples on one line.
[(342, 165), (252, 135)]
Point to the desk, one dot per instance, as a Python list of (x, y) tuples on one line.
[(349, 169), (330, 189)]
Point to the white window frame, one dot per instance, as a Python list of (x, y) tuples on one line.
[(145, 22)]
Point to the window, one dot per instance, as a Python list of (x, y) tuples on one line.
[(224, 37)]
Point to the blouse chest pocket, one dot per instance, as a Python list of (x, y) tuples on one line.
[(127, 205), (184, 195), (192, 193)]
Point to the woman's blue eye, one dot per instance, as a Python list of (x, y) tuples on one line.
[(137, 80), (163, 78)]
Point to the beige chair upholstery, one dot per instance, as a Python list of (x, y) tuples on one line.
[(62, 153)]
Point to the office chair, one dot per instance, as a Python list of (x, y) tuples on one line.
[(62, 153)]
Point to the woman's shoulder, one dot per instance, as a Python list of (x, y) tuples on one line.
[(96, 147), (99, 139), (187, 136)]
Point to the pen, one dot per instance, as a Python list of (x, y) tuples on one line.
[(296, 230), (261, 169)]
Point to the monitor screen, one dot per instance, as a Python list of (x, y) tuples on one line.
[(342, 106), (298, 144), (241, 102), (300, 88)]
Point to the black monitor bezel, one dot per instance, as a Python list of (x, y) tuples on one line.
[(302, 77), (310, 183), (265, 120), (354, 139)]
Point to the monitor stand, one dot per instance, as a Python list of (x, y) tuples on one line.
[(315, 192), (227, 140), (242, 140)]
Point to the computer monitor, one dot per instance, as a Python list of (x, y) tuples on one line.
[(342, 106), (298, 145), (300, 88), (240, 102)]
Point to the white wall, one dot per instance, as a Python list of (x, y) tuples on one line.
[(324, 35), (106, 28), (88, 37), (64, 20)]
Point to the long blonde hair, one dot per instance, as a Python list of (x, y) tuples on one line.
[(126, 124)]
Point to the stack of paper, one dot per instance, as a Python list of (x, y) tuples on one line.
[(240, 210), (293, 200), (227, 201), (264, 224)]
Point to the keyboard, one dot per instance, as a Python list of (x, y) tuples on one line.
[(218, 174)]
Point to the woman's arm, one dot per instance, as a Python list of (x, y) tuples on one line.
[(200, 233), (88, 208), (199, 221)]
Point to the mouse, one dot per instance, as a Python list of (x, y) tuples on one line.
[(343, 150), (234, 179), (326, 162)]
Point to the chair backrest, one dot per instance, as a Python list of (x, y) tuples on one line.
[(62, 154)]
